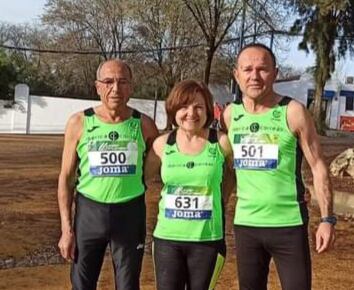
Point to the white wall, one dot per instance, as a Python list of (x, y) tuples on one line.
[(147, 107), (6, 117), (49, 114)]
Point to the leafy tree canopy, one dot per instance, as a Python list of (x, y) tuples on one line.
[(7, 76)]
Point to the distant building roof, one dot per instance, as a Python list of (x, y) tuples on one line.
[(288, 79)]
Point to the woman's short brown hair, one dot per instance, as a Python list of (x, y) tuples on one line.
[(183, 94)]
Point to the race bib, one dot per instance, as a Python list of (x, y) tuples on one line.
[(190, 202), (256, 151), (112, 158)]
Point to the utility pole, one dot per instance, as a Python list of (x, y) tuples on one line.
[(271, 40), (235, 88)]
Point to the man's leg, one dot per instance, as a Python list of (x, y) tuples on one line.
[(291, 254), (252, 258), (91, 241), (170, 265), (127, 242), (127, 262), (205, 261)]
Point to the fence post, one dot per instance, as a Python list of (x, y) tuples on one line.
[(22, 94)]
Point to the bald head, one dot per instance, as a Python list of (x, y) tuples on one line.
[(118, 63), (258, 46)]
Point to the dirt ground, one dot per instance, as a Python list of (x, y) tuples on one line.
[(29, 221)]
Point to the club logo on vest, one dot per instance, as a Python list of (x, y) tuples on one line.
[(212, 151), (113, 135), (254, 127), (276, 114), (133, 126), (190, 165)]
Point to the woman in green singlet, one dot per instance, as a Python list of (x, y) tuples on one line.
[(189, 246)]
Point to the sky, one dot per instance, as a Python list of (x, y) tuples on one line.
[(29, 11), (21, 11)]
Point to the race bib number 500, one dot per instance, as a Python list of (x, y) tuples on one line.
[(113, 159), (255, 152)]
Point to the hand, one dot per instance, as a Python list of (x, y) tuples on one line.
[(325, 237), (67, 246)]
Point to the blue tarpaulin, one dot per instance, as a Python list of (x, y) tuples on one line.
[(327, 94), (346, 93)]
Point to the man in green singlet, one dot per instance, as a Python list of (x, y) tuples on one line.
[(269, 134), (102, 161)]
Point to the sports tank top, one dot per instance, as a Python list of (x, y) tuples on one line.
[(190, 208), (110, 159), (267, 159)]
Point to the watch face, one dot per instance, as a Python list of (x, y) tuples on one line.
[(329, 219)]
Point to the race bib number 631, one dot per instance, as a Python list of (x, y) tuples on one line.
[(186, 203)]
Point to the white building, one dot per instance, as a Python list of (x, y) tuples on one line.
[(337, 100)]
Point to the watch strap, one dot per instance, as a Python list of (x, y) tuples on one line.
[(329, 219)]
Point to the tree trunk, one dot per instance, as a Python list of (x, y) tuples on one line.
[(210, 55), (317, 108)]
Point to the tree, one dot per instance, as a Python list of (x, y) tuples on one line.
[(4, 32), (98, 24), (84, 25), (163, 24), (328, 28), (7, 76), (31, 68), (138, 31), (214, 18), (259, 19)]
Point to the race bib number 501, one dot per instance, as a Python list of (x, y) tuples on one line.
[(256, 151)]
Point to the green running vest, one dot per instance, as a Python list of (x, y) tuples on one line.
[(110, 159), (267, 160), (190, 208)]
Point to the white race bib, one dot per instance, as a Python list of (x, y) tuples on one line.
[(184, 203), (113, 160), (255, 152)]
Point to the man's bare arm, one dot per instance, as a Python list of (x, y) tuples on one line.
[(153, 160), (228, 185), (225, 119), (150, 131), (301, 123), (66, 184)]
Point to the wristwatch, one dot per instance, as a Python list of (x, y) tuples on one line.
[(329, 219)]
